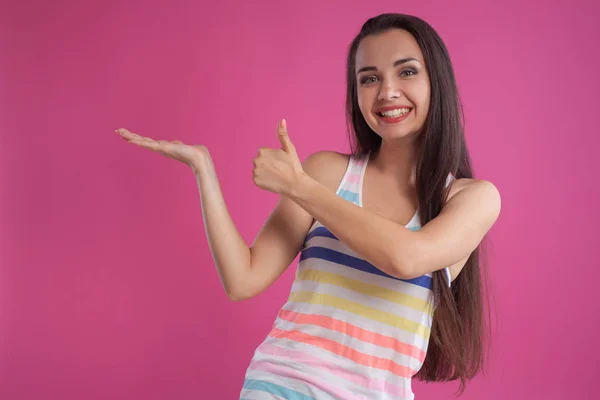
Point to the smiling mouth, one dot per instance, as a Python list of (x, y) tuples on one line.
[(396, 113)]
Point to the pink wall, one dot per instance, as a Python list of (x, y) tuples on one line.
[(108, 290)]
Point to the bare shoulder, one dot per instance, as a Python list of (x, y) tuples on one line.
[(326, 167), (479, 186), (479, 196)]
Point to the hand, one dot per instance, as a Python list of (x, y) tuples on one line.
[(176, 149), (278, 170)]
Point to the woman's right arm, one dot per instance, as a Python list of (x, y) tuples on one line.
[(247, 271)]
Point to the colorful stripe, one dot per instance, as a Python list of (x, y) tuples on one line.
[(353, 178), (362, 310), (375, 291), (357, 263), (345, 351), (348, 195), (354, 332), (272, 388)]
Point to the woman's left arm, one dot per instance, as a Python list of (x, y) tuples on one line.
[(445, 240)]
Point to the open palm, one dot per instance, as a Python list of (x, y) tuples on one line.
[(175, 149)]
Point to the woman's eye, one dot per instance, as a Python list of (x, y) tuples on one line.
[(408, 72), (369, 79)]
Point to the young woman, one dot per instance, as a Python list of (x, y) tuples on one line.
[(389, 235)]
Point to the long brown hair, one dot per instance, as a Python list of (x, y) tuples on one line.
[(458, 335)]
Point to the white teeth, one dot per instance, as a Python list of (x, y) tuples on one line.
[(395, 113)]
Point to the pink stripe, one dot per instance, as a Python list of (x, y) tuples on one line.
[(289, 372), (353, 178), (345, 351), (314, 362), (353, 331)]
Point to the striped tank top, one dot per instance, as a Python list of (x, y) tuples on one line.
[(348, 330)]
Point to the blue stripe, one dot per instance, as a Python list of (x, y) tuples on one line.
[(268, 387), (326, 254), (348, 195)]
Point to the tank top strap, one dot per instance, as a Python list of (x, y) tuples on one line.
[(350, 187), (449, 179)]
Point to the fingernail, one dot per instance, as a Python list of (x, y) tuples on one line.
[(283, 123)]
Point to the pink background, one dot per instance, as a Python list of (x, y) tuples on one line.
[(108, 289)]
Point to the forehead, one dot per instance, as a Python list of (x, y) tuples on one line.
[(383, 49)]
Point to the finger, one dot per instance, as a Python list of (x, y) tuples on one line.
[(123, 132), (284, 138), (127, 135), (146, 143)]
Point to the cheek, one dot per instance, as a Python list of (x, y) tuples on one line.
[(365, 104), (421, 97)]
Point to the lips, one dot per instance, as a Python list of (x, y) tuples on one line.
[(393, 114)]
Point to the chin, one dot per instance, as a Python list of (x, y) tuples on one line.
[(390, 133)]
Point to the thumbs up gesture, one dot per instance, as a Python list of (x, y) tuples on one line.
[(278, 170)]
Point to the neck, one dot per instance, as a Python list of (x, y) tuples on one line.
[(398, 160)]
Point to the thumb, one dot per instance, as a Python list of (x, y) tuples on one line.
[(284, 138)]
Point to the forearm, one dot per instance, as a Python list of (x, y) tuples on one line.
[(230, 253), (376, 239)]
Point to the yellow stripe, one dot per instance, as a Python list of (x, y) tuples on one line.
[(368, 289), (362, 310)]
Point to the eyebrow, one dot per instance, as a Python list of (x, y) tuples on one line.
[(396, 63)]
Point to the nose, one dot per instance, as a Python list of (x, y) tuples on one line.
[(388, 91)]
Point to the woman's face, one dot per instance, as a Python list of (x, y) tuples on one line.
[(392, 84)]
